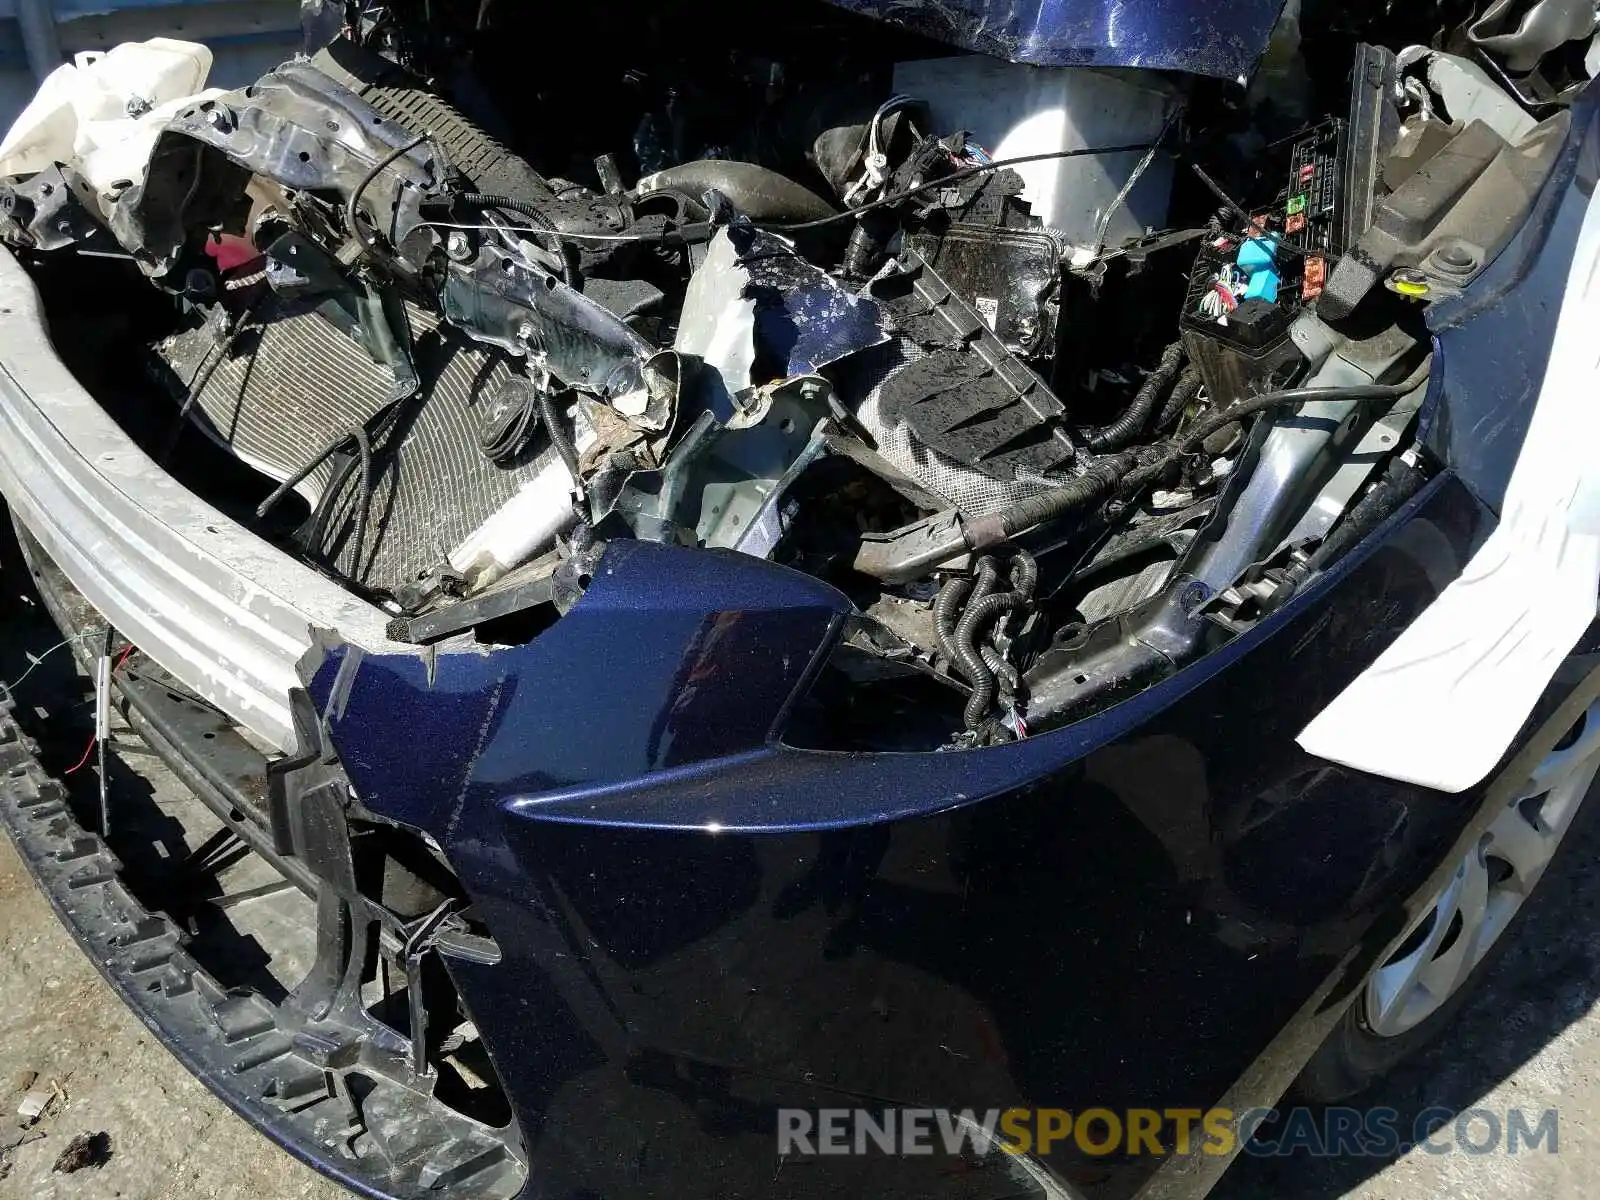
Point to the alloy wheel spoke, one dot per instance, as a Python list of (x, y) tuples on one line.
[(1525, 849), (1562, 764), (1448, 968), (1394, 984), (1477, 903)]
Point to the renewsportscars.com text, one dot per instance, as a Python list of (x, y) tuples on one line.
[(1260, 1132)]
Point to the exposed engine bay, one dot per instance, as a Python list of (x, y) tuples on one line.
[(1063, 375)]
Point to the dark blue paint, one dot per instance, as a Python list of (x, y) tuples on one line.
[(1222, 40), (699, 925), (1127, 916), (804, 320), (781, 789), (711, 645)]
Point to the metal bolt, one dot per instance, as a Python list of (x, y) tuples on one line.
[(1456, 259), (458, 247)]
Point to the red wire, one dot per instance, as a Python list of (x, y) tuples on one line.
[(82, 762)]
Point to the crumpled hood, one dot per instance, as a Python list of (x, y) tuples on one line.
[(1204, 38), (1198, 36)]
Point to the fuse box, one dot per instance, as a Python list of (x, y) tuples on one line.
[(1312, 200)]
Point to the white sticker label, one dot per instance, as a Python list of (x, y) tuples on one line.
[(989, 309)]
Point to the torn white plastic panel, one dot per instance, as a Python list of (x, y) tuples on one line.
[(718, 321), (1442, 705), (102, 113)]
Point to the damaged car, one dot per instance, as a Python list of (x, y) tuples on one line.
[(865, 555)]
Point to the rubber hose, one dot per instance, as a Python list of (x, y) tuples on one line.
[(1387, 494), (1183, 394), (209, 365), (1132, 422), (363, 446), (1397, 485), (758, 193), (1096, 483), (988, 578), (1024, 574), (363, 500), (553, 426), (328, 450), (983, 680), (945, 607), (1001, 668)]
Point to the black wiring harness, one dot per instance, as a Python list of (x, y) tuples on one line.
[(1127, 428), (1129, 471), (967, 614), (968, 610)]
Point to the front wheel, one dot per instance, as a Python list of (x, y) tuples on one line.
[(1418, 987)]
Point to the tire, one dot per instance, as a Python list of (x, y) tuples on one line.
[(1423, 981)]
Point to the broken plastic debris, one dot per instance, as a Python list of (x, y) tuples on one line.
[(34, 1104)]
